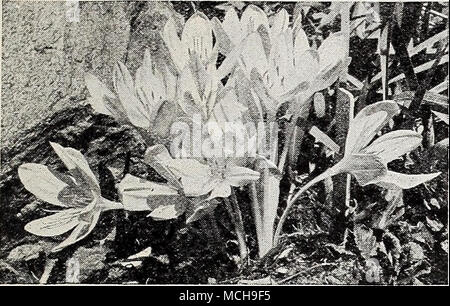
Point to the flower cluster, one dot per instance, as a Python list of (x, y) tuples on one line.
[(266, 62)]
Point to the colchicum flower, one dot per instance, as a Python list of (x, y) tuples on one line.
[(368, 161), (215, 178), (78, 193), (196, 40), (147, 102), (199, 89), (191, 187), (279, 59)]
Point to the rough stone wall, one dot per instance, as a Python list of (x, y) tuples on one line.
[(44, 56)]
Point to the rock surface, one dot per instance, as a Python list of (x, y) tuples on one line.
[(45, 55)]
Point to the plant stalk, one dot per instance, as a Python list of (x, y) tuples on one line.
[(236, 217), (328, 173), (257, 215)]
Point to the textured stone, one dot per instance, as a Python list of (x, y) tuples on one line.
[(44, 56)]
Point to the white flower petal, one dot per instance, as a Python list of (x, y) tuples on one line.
[(252, 18), (332, 50), (394, 144), (280, 23), (240, 176), (139, 195), (168, 212), (136, 111), (367, 123), (404, 181), (173, 43), (232, 26), (197, 37), (221, 190), (73, 159), (301, 43), (41, 182), (83, 229), (149, 84), (55, 224), (98, 92), (253, 54)]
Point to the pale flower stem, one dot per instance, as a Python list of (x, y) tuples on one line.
[(240, 226), (49, 265), (256, 211), (110, 205), (324, 175), (287, 144), (236, 217)]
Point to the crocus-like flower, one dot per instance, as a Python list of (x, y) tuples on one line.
[(138, 102), (191, 186), (78, 193), (233, 30), (279, 60), (198, 79), (215, 178), (366, 160), (196, 39)]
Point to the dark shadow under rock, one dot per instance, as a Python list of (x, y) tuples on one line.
[(180, 254)]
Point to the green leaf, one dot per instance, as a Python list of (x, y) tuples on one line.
[(428, 43), (442, 116), (324, 139), (436, 101), (418, 69), (440, 87)]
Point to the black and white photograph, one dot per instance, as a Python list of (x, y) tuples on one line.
[(214, 143)]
